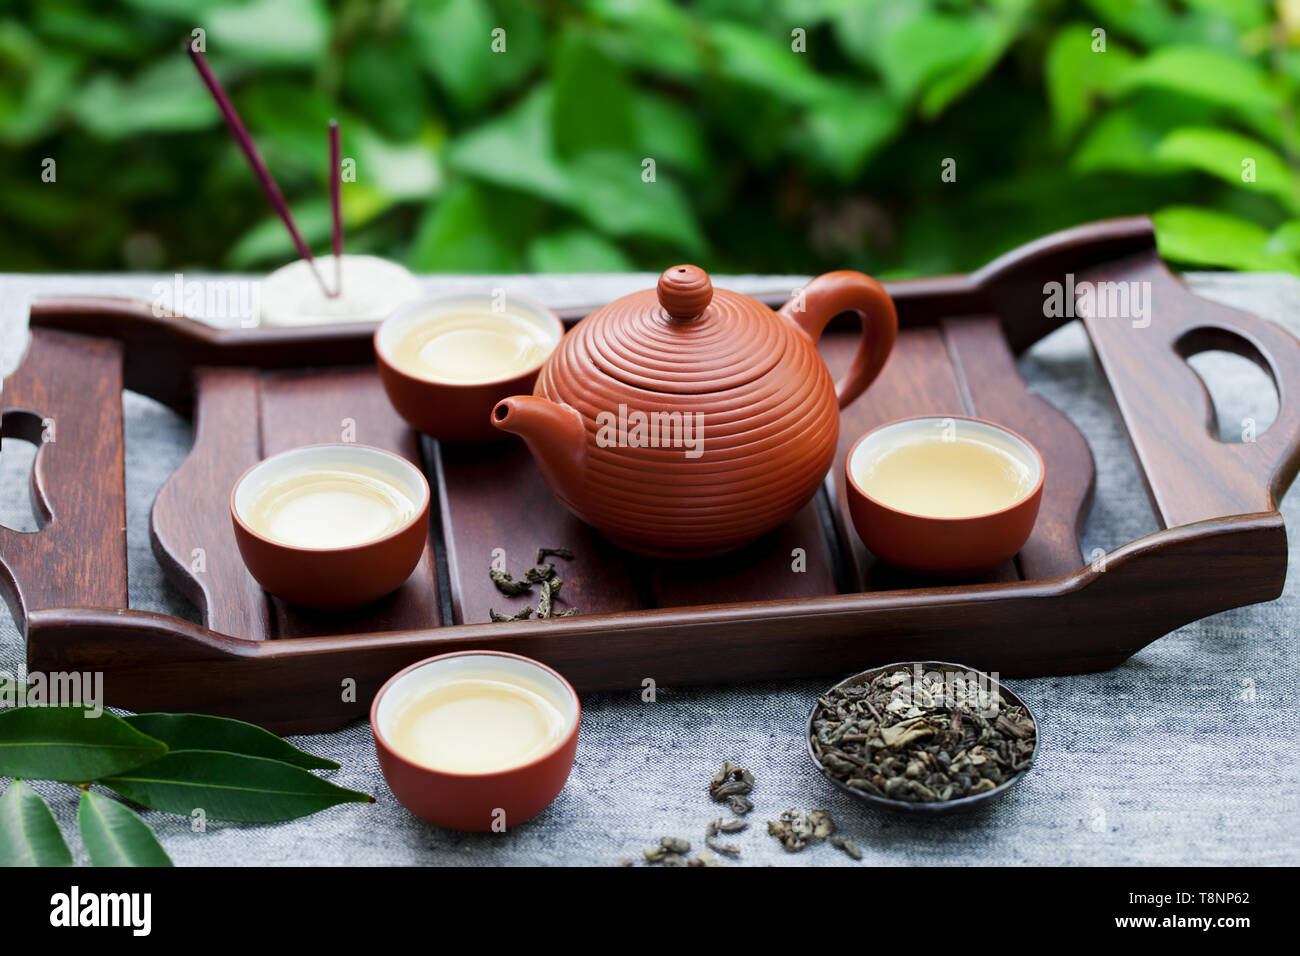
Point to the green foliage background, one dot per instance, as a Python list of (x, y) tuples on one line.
[(766, 159)]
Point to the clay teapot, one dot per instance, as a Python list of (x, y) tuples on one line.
[(686, 421)]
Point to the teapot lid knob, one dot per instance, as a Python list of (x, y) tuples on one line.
[(685, 291)]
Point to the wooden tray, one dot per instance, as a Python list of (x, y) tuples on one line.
[(747, 616)]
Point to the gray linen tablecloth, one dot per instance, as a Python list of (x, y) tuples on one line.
[(1185, 754)]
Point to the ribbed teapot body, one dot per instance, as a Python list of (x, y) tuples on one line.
[(702, 434)]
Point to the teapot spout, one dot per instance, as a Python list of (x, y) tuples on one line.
[(553, 432)]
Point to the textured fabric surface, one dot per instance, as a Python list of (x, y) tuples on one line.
[(1185, 754)]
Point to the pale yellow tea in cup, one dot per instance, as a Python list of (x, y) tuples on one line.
[(955, 477), (480, 722), (465, 346), (328, 508)]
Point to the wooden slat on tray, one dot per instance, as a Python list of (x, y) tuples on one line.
[(190, 523)]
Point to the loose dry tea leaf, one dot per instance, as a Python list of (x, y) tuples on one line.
[(550, 588), (740, 805), (797, 827), (731, 780), (506, 584), (567, 612), (675, 844), (522, 614), (730, 849), (847, 844), (539, 574), (544, 553), (822, 824), (930, 739)]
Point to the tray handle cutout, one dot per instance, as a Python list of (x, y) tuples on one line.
[(66, 398), (1190, 473)]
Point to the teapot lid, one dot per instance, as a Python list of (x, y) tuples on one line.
[(683, 337)]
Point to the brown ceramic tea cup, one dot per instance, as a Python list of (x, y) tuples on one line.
[(331, 526), (947, 541), (446, 360), (459, 800)]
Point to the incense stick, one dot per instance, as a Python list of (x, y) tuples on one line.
[(336, 207), (254, 158)]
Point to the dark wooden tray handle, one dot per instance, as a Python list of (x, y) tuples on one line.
[(66, 398), (1190, 473)]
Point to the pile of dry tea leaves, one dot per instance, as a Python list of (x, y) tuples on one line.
[(542, 575), (922, 737)]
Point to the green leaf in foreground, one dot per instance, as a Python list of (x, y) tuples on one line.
[(63, 743), (114, 835), (29, 834), (229, 786), (202, 732)]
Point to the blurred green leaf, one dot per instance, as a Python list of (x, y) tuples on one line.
[(592, 102), (1125, 137), (846, 130), (464, 232), (1224, 154), (1207, 237), (765, 62), (114, 835), (266, 32), (383, 78), (607, 189), (454, 43), (1244, 15), (863, 28), (1214, 77), (32, 99), (576, 250), (71, 26), (1077, 76), (670, 133), (1150, 21), (289, 125), (29, 834), (399, 171), (165, 97), (190, 11), (655, 35), (514, 150), (994, 34), (269, 241)]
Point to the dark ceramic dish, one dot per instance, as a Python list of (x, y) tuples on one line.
[(909, 806)]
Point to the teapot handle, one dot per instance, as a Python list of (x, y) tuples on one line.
[(826, 297)]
